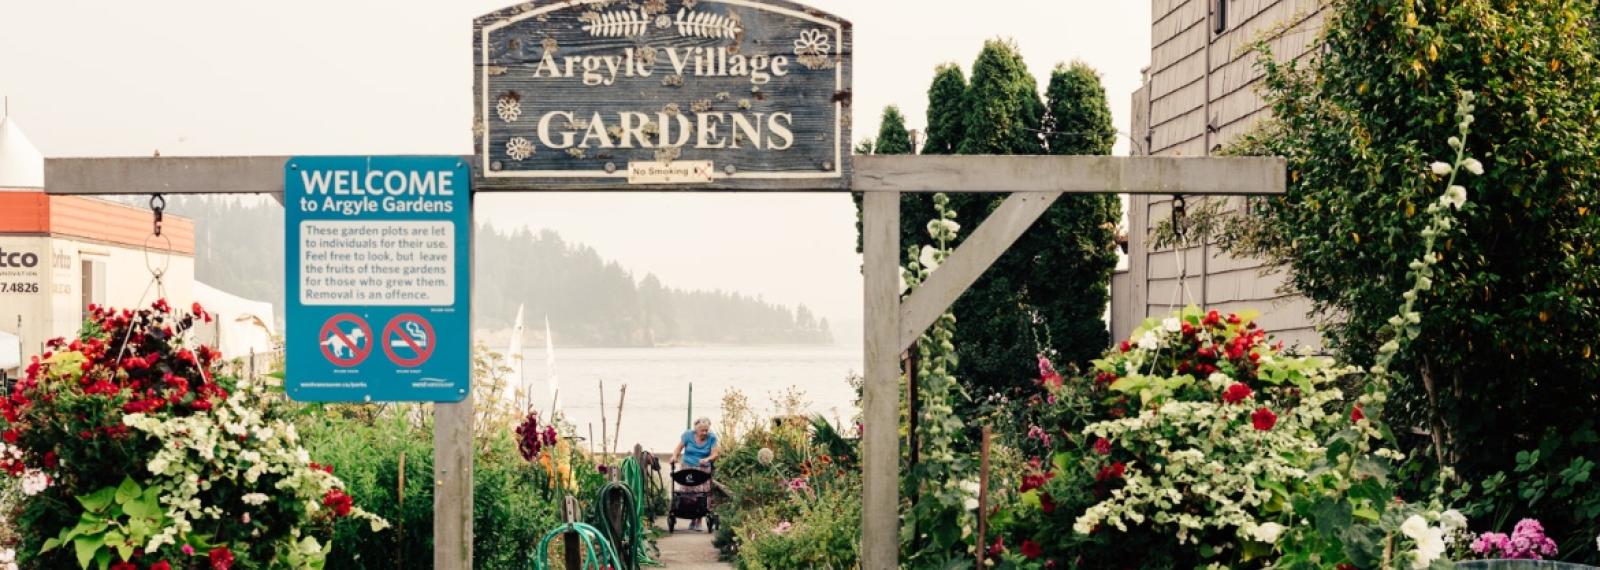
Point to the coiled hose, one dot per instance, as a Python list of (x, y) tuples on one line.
[(630, 545), (599, 558)]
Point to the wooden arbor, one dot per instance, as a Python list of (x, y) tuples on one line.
[(892, 324)]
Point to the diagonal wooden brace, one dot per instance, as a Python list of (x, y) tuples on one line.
[(969, 261)]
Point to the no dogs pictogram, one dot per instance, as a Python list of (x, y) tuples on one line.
[(408, 334), (346, 340)]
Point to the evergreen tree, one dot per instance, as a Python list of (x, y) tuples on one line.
[(1048, 293), (1080, 118), (892, 135), (946, 109)]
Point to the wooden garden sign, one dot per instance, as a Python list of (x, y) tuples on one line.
[(663, 95)]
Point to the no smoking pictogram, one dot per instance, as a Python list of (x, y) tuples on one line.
[(346, 340), (412, 334)]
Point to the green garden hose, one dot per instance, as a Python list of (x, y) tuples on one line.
[(627, 491), (588, 536)]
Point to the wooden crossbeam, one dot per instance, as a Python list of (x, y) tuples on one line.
[(925, 173)]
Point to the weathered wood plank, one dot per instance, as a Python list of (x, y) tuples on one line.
[(968, 262), (1071, 174), (880, 453), (174, 175), (452, 491)]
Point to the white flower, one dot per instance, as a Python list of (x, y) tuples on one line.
[(929, 258), (1455, 142), (1172, 324), (1430, 541), (8, 555), (1452, 520), (1268, 533), (1455, 197), (1442, 169), (1149, 341), (1472, 165), (764, 456), (254, 499), (903, 285), (35, 482)]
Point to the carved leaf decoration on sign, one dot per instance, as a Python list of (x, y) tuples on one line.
[(706, 25), (619, 24)]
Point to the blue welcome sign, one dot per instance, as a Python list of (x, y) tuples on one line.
[(379, 279)]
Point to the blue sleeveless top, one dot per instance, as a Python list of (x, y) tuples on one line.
[(694, 452)]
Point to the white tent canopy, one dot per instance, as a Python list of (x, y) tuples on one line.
[(21, 164), (243, 325)]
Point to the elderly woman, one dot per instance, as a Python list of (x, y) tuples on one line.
[(696, 450)]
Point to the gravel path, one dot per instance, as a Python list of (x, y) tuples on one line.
[(688, 550)]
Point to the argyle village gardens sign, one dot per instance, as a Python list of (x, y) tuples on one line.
[(662, 94)]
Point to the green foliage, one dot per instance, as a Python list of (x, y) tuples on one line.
[(892, 135), (1080, 117), (1048, 292), (794, 497), (115, 522), (946, 110), (1003, 114), (933, 530), (1508, 343)]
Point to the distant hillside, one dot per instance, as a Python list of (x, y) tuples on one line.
[(589, 300)]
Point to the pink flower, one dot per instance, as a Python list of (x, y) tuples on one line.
[(782, 528), (187, 550), (1356, 414), (1047, 373)]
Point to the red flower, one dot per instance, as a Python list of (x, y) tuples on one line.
[(1356, 414), (162, 565), (1102, 446), (1264, 419), (1047, 503), (998, 548), (10, 436), (50, 460), (1126, 346), (339, 501), (221, 558), (1236, 393), (1031, 549), (1047, 373), (1212, 319), (124, 565), (1114, 471)]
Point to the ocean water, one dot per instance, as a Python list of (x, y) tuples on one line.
[(656, 409)]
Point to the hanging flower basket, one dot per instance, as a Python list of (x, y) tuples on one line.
[(1520, 565)]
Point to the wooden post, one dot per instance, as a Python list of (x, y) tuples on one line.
[(603, 435), (880, 457), (569, 540), (452, 492), (983, 493), (616, 438)]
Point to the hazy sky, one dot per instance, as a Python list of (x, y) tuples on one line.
[(221, 77)]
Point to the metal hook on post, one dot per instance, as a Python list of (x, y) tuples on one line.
[(1180, 211), (158, 204)]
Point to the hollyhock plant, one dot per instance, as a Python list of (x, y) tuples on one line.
[(131, 414)]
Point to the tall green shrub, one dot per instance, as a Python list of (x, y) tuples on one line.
[(946, 109), (1048, 292), (893, 138), (1503, 375)]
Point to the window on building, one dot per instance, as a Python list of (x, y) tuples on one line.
[(94, 284), (1220, 15)]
